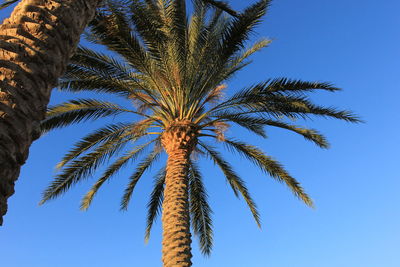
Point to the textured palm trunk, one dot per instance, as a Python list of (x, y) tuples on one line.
[(35, 45), (178, 141)]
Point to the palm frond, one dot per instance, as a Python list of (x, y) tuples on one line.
[(200, 210), (111, 171), (239, 29), (82, 168), (178, 28), (270, 166), (148, 24), (142, 167), (239, 62), (257, 99), (100, 63), (309, 134), (196, 26), (236, 183), (109, 30), (79, 110), (156, 200), (253, 124), (78, 79), (256, 124), (203, 63), (223, 6), (109, 133), (289, 85)]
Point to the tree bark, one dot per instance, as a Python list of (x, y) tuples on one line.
[(35, 45), (178, 141)]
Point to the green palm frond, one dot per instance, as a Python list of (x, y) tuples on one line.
[(251, 123), (200, 210), (251, 50), (240, 61), (178, 32), (309, 134), (195, 27), (270, 166), (111, 171), (142, 167), (78, 80), (110, 133), (257, 99), (82, 168), (239, 29), (99, 63), (148, 21), (79, 110), (289, 85), (236, 183), (105, 30), (155, 203), (257, 124), (223, 6)]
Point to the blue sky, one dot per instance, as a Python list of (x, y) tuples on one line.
[(355, 45)]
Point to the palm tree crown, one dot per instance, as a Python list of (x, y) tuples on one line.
[(174, 70)]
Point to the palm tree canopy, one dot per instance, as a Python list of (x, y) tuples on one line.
[(174, 69)]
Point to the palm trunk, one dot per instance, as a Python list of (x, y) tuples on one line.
[(178, 141), (35, 45)]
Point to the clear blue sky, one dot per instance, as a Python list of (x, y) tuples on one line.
[(355, 45)]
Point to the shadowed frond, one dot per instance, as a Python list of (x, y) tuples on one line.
[(200, 210), (155, 203), (253, 124), (78, 80), (239, 29), (79, 110), (257, 124), (309, 134), (298, 86), (111, 171), (259, 100), (239, 61), (270, 166), (110, 30), (99, 64), (223, 5), (110, 133), (251, 50), (142, 167), (236, 183), (82, 168), (148, 24)]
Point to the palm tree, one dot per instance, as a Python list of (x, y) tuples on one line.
[(35, 45), (173, 69)]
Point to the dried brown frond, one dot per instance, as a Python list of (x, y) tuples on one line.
[(176, 74), (141, 101), (216, 94), (196, 154), (220, 128), (141, 127)]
